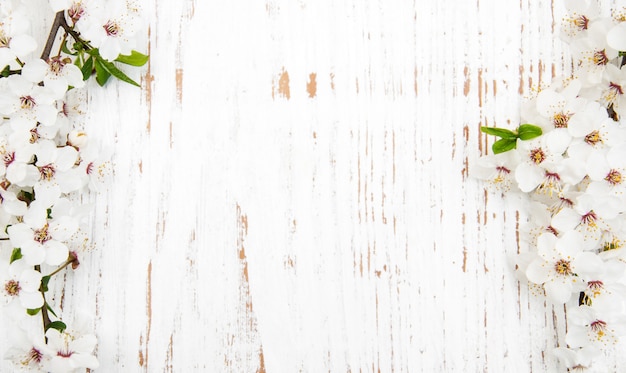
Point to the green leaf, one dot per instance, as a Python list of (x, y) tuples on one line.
[(16, 254), (87, 68), (66, 50), (6, 71), (44, 283), (529, 131), (500, 132), (503, 145), (58, 325), (134, 59), (33, 311), (102, 74), (113, 70)]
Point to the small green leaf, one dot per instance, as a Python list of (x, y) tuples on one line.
[(113, 70), (66, 50), (503, 145), (6, 71), (58, 325), (33, 311), (102, 74), (529, 131), (500, 132), (134, 59), (16, 254), (87, 68), (44, 283)]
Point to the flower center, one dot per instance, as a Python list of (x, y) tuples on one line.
[(8, 158), (595, 287), (111, 28), (56, 65), (76, 11), (616, 88), (599, 58), (589, 218), (614, 177), (12, 288), (537, 156), (593, 138), (4, 39), (598, 327), (613, 245), (27, 102), (560, 120), (47, 172), (582, 22), (33, 356), (42, 235), (562, 267)]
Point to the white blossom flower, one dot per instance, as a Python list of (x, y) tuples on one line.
[(15, 41), (586, 327), (111, 28), (57, 74), (562, 266), (20, 282), (41, 239), (71, 351)]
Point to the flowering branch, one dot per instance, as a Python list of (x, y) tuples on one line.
[(572, 174), (48, 161)]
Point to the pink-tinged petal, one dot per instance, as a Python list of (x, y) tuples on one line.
[(616, 37), (33, 253), (84, 344), (66, 157), (558, 140), (570, 244), (528, 177), (30, 280), (31, 300), (110, 48), (20, 234), (587, 264), (56, 252), (577, 337), (63, 228), (558, 291), (538, 271), (581, 315), (35, 70), (74, 76), (47, 192), (597, 166), (566, 220), (22, 45), (36, 215), (546, 246), (547, 100), (47, 115)]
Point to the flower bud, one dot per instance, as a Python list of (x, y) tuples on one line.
[(77, 139)]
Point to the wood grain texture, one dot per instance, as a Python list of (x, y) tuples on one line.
[(292, 191)]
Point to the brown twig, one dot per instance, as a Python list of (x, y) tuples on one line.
[(59, 19)]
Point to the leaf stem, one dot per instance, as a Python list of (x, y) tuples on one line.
[(45, 318), (71, 259)]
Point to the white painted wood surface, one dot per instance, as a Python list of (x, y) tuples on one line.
[(291, 191)]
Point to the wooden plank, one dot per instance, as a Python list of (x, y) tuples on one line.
[(292, 193)]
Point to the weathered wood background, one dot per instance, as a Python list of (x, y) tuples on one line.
[(291, 191)]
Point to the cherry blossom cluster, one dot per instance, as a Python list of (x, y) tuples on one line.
[(48, 163), (572, 174)]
